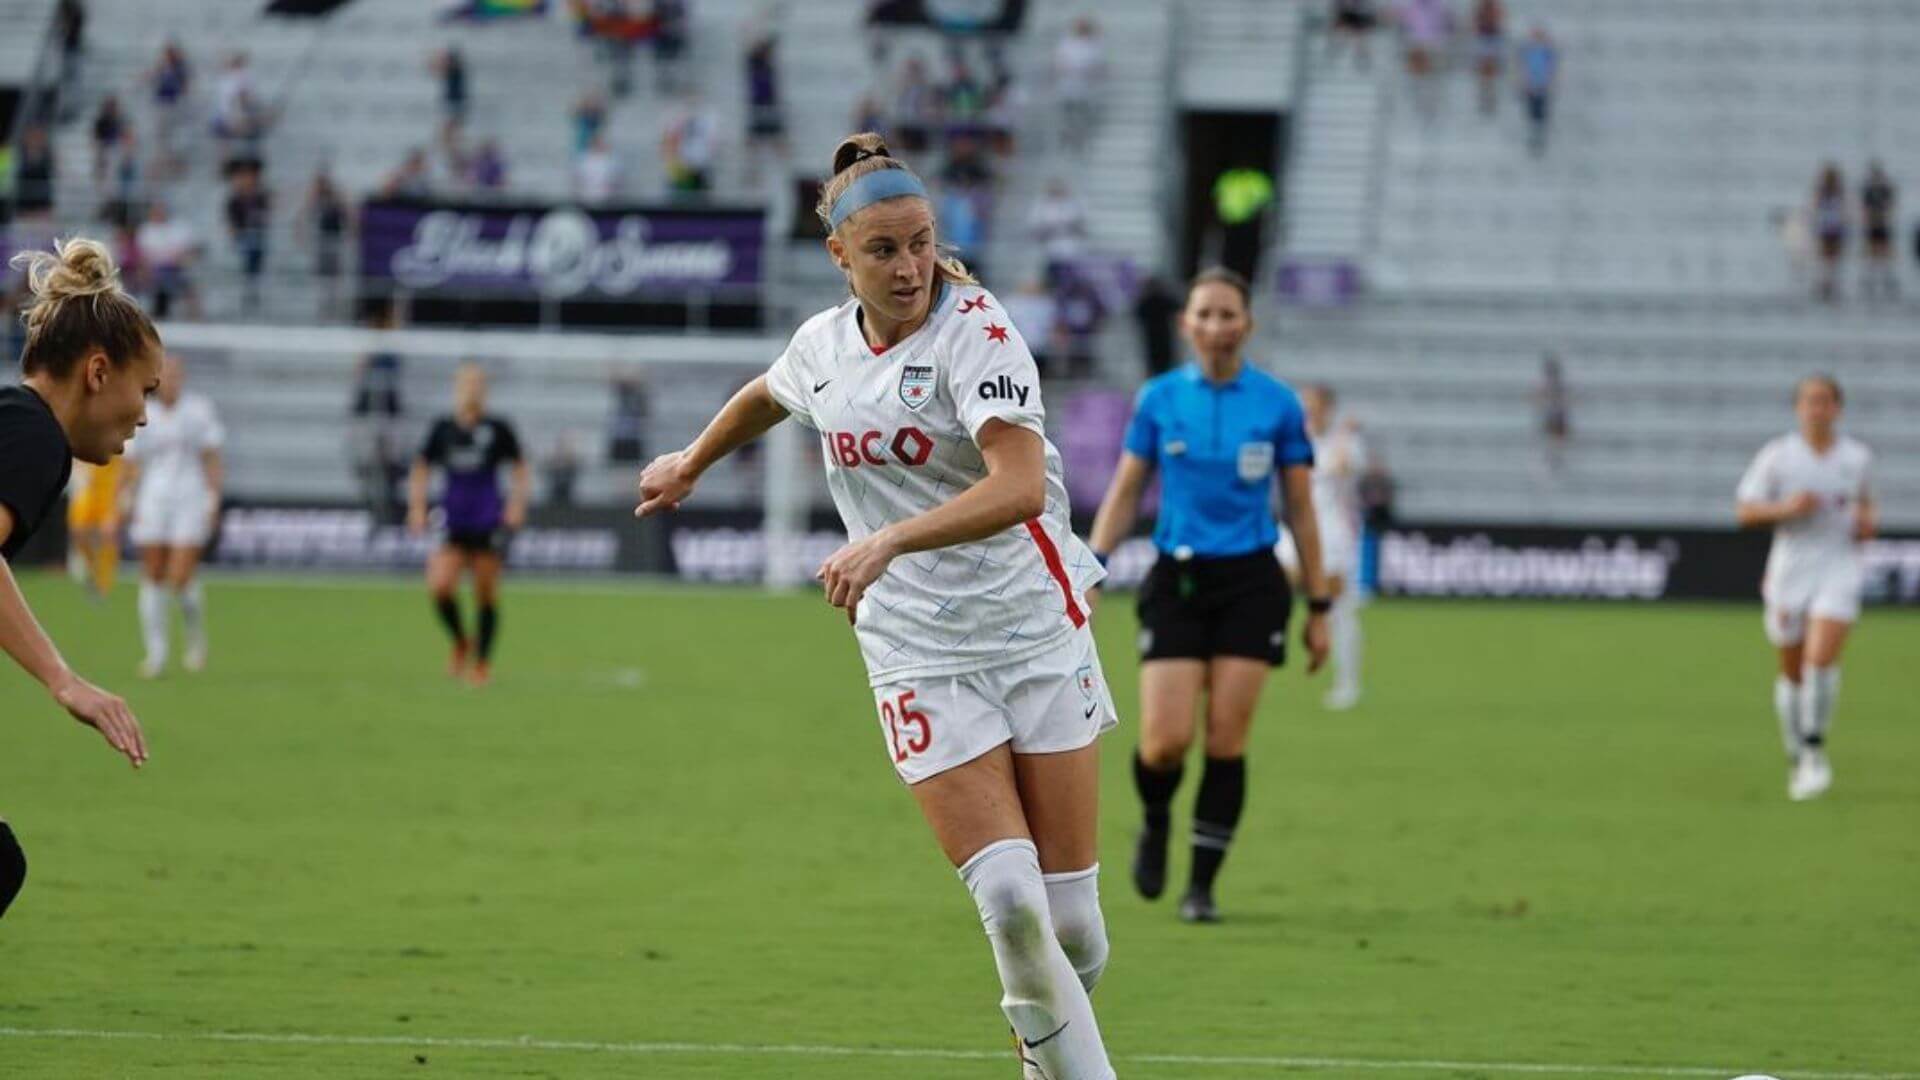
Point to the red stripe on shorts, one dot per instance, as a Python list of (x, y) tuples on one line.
[(1051, 556)]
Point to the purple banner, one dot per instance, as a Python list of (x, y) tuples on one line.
[(561, 252)]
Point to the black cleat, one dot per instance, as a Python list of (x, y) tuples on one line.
[(1150, 863), (1197, 907)]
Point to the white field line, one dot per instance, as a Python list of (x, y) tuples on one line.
[(797, 1050)]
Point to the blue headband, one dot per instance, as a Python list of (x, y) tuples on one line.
[(870, 189)]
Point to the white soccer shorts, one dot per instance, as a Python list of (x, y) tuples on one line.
[(1047, 704), (1834, 594), (172, 519)]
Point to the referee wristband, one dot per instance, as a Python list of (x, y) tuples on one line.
[(1319, 606)]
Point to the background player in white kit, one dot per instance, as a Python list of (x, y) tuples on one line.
[(1339, 460), (1811, 488), (963, 579), (173, 475)]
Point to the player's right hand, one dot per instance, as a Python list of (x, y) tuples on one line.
[(106, 713), (1802, 504), (664, 484)]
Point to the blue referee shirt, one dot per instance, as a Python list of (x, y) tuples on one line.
[(1217, 446)]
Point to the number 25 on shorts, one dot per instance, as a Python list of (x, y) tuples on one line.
[(907, 727)]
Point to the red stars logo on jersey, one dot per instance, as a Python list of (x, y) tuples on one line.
[(996, 332), (978, 303)]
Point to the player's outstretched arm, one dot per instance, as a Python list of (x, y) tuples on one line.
[(1121, 504), (1763, 515), (746, 416), (22, 638), (1304, 524)]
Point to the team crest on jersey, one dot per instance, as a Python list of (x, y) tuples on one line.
[(916, 385), (1083, 678)]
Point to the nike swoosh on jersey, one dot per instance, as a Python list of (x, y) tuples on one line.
[(819, 386), (1035, 1044)]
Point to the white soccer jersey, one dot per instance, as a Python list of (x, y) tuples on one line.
[(168, 449), (1339, 457), (1823, 541), (897, 438)]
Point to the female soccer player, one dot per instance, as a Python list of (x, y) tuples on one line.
[(1811, 488), (1214, 609), (93, 525), (174, 473), (1339, 460), (469, 447), (962, 579), (90, 362)]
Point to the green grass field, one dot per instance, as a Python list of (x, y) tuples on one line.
[(667, 843)]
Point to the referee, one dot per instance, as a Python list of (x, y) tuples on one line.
[(90, 362), (1214, 609)]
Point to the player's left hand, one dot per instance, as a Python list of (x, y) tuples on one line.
[(1314, 637), (515, 517), (1865, 525), (847, 573)]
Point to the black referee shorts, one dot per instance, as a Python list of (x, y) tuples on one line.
[(1202, 608)]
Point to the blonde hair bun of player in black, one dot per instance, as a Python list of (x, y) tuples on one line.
[(78, 305)]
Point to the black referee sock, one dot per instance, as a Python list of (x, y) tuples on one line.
[(489, 622), (449, 610), (1216, 812), (13, 867), (1156, 787)]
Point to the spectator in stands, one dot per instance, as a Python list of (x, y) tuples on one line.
[(70, 25), (1353, 23), (1489, 50), (1795, 227), (1539, 71), (1425, 28), (33, 174), (766, 125), (1058, 223), (323, 223), (1031, 310), (870, 115), (1079, 64), (451, 67), (965, 95), (247, 207), (486, 170), (627, 426), (917, 106), (1080, 313), (689, 146), (1554, 405), (411, 179), (596, 173), (589, 117), (614, 28), (170, 78), (238, 115), (1156, 307), (1877, 199), (109, 123), (1831, 224), (374, 446), (562, 468), (673, 21), (967, 166), (123, 194), (168, 247)]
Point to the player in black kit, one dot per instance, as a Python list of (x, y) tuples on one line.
[(90, 362)]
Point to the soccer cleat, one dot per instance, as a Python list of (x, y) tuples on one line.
[(151, 667), (480, 674), (195, 658), (457, 663), (1341, 698), (1197, 907), (1811, 776), (1150, 863)]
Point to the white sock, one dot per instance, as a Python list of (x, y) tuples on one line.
[(1073, 899), (1043, 998), (1347, 646), (1819, 688), (153, 621), (193, 613), (1786, 705)]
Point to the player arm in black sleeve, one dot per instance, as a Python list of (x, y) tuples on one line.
[(432, 452)]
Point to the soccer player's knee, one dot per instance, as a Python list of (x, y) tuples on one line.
[(13, 867), (1073, 900), (1004, 878)]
